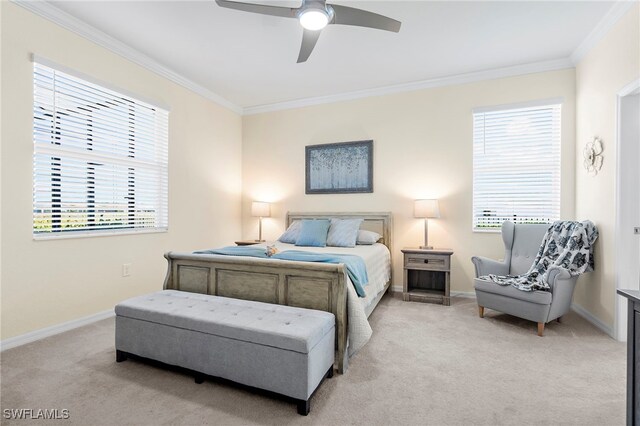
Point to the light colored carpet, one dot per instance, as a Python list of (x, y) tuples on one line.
[(426, 364)]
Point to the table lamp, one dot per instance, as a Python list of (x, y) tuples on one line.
[(260, 209), (426, 209)]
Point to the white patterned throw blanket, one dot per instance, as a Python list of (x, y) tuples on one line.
[(566, 244)]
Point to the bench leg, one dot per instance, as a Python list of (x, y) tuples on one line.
[(304, 407), (198, 378), (121, 356)]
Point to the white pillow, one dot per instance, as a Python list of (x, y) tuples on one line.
[(366, 238), (343, 232), (292, 233)]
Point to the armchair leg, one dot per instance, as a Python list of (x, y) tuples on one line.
[(540, 329), (481, 311), (559, 319)]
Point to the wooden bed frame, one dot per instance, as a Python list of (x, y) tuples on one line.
[(310, 285)]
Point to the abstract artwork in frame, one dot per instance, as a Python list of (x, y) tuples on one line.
[(339, 168)]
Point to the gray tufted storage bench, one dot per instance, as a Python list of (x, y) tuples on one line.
[(278, 348)]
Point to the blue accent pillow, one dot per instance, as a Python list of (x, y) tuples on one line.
[(313, 233), (290, 236), (343, 232)]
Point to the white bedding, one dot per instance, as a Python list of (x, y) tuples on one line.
[(377, 259)]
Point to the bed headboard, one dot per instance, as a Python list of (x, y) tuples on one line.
[(380, 222)]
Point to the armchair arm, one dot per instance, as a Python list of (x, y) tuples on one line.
[(557, 274), (562, 285), (485, 266)]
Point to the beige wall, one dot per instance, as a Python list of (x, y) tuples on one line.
[(607, 68), (49, 282), (422, 149)]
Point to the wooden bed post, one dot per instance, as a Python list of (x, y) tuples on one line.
[(342, 325), (168, 280)]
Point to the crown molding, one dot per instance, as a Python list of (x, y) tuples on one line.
[(617, 11), (490, 74), (65, 20), (56, 15)]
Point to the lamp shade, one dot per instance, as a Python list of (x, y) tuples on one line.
[(260, 209), (426, 208)]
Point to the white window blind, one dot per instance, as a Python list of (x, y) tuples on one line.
[(516, 165), (100, 162)]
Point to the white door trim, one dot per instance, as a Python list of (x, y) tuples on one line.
[(621, 305)]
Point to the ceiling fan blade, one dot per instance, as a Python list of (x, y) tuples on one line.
[(361, 18), (285, 12), (309, 40)]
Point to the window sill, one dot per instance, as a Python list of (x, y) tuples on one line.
[(488, 231), (93, 234)]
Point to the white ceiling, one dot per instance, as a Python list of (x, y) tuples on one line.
[(250, 59)]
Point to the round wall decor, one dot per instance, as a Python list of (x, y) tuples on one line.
[(593, 156)]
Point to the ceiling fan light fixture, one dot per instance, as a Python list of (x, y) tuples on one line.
[(314, 19), (314, 15)]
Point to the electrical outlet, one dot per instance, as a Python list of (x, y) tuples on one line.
[(126, 269)]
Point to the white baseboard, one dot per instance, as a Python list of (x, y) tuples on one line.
[(574, 307), (592, 319), (464, 294), (23, 339)]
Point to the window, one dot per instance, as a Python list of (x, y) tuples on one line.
[(516, 165), (100, 162)]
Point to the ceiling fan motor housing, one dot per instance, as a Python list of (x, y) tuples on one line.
[(316, 5)]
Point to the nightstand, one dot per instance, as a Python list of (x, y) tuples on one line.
[(427, 275), (248, 242)]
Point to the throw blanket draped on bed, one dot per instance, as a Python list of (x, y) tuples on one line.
[(356, 268), (566, 244)]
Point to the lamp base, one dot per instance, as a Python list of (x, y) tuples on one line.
[(426, 247)]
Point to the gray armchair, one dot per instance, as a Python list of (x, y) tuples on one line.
[(521, 244)]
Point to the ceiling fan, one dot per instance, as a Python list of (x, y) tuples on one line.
[(314, 15)]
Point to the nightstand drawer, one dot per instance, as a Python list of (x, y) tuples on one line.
[(430, 262)]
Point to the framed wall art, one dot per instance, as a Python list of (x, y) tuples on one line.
[(339, 168)]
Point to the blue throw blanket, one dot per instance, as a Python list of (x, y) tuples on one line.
[(356, 268)]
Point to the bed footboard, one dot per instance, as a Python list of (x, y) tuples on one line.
[(318, 286)]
